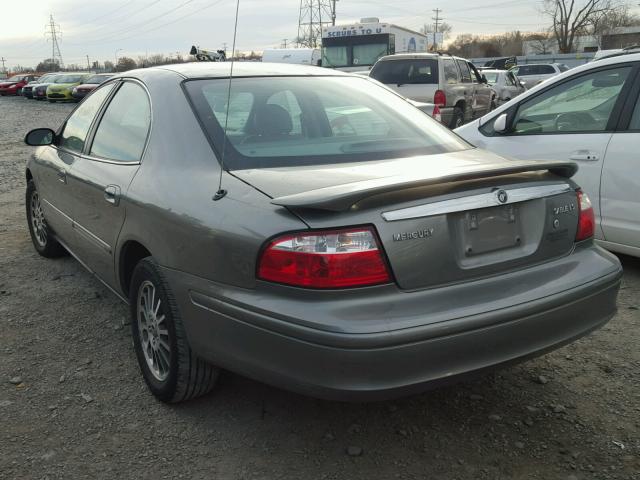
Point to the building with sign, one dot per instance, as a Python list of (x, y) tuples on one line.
[(358, 46)]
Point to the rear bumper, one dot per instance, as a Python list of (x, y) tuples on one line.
[(270, 346)]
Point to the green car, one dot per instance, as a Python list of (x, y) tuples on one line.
[(64, 84)]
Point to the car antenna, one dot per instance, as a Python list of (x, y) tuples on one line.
[(221, 193)]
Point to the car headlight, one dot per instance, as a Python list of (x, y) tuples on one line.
[(75, 90)]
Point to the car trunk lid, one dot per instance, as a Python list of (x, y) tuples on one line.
[(442, 220)]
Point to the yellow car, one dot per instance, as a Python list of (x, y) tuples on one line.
[(64, 84)]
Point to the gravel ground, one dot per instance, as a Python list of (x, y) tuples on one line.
[(73, 404)]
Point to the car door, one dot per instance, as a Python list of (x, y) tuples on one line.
[(572, 120), (469, 89), (620, 188), (481, 91), (104, 172), (55, 163)]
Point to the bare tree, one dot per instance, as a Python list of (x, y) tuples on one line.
[(572, 18), (606, 23)]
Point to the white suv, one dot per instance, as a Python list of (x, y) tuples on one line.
[(590, 115), (535, 73)]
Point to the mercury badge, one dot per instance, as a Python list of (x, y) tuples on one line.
[(502, 196), (422, 233)]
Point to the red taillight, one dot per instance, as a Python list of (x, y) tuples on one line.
[(437, 116), (586, 217), (440, 99), (325, 259)]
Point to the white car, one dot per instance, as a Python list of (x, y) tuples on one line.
[(590, 115), (535, 73)]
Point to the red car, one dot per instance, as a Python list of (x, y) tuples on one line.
[(13, 85)]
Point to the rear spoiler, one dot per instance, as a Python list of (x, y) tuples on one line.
[(340, 198)]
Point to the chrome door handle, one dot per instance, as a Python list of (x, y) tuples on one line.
[(112, 194), (62, 176), (584, 156)]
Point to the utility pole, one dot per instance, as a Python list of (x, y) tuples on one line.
[(284, 42), (88, 63), (3, 69), (52, 30), (333, 12), (436, 25), (224, 47)]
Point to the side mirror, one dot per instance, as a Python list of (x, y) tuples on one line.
[(40, 137), (484, 78), (500, 124)]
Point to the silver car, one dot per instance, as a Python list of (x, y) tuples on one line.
[(312, 230), (505, 84)]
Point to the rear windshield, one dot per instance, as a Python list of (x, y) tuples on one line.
[(68, 79), (398, 72), (492, 77), (280, 121)]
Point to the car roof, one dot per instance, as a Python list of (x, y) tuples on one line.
[(240, 69), (410, 56)]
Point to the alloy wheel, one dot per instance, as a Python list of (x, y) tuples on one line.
[(153, 331), (37, 220)]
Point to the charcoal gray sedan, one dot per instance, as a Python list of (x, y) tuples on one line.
[(312, 230)]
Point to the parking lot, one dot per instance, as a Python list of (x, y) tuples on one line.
[(73, 404)]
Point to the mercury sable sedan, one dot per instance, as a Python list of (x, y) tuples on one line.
[(312, 230)]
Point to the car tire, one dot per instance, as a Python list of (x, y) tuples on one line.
[(457, 119), (171, 370), (41, 234)]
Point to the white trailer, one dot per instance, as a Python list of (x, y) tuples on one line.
[(298, 56), (358, 46)]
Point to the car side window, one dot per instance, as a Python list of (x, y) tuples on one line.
[(450, 71), (583, 104), (464, 69), (123, 129), (76, 128), (546, 70)]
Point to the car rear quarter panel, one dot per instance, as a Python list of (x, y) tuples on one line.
[(170, 206)]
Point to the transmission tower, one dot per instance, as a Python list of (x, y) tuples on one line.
[(314, 16), (52, 30)]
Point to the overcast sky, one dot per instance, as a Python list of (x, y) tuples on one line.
[(100, 27)]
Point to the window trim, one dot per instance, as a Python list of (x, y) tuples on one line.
[(631, 105), (98, 119), (613, 125)]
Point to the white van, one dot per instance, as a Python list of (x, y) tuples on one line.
[(298, 56)]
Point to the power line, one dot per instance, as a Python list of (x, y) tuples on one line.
[(115, 34)]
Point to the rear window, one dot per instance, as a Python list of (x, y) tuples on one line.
[(291, 121), (398, 72), (492, 77)]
